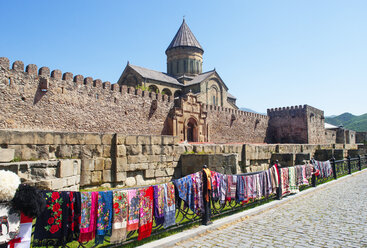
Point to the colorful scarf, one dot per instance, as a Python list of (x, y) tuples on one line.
[(197, 192), (146, 212), (223, 188), (216, 177), (104, 216), (259, 185), (249, 186), (74, 216), (309, 169), (184, 188), (88, 220), (293, 188), (159, 204), (231, 187), (52, 224), (169, 205), (240, 194), (9, 223), (324, 168), (284, 173), (119, 221), (133, 221), (23, 239), (304, 174)]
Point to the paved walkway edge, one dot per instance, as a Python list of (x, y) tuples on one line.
[(190, 233)]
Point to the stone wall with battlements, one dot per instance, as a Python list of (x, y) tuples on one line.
[(37, 99), (226, 125), (296, 124)]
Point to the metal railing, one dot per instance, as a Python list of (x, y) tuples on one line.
[(186, 217)]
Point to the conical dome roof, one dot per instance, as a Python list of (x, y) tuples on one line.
[(184, 37)]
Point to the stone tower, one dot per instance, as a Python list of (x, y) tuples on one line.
[(184, 54)]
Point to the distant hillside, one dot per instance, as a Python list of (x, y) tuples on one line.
[(250, 110), (349, 121)]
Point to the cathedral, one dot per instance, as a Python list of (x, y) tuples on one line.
[(184, 74)]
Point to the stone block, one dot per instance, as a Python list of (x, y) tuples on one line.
[(107, 176), (43, 138), (121, 151), (99, 164), (156, 140), (44, 184), (120, 139), (63, 151), (137, 159), (130, 181), (75, 139), (149, 173), (77, 167), (179, 149), (22, 138), (93, 139), (120, 176), (131, 140), (170, 171), (176, 140), (6, 155), (106, 151), (107, 164), (167, 140), (167, 150), (96, 177), (155, 158), (58, 183), (160, 173), (70, 181), (143, 140), (87, 164), (46, 173), (121, 164), (66, 168), (146, 150), (197, 148), (133, 150), (85, 178), (156, 149), (107, 139), (208, 149), (142, 166)]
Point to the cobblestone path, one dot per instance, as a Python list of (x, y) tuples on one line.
[(333, 216)]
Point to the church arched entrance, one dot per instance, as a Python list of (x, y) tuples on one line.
[(191, 130)]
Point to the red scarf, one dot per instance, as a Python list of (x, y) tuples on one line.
[(146, 212)]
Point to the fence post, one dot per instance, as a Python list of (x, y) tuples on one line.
[(359, 162), (333, 166), (349, 165)]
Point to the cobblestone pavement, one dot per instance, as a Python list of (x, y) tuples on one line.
[(333, 216)]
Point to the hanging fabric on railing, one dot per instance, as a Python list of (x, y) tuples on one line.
[(119, 220), (216, 179), (293, 187), (159, 204), (88, 220), (240, 194), (324, 168), (104, 216), (197, 193), (223, 187), (169, 205), (231, 187), (184, 188), (146, 212), (52, 224), (133, 215), (284, 173)]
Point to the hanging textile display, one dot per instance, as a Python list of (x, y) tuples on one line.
[(146, 212), (74, 216), (159, 204), (293, 187), (231, 187), (284, 180), (324, 168), (197, 193), (104, 216), (119, 219), (223, 188), (169, 205), (23, 239), (240, 194), (184, 188), (88, 219), (52, 224), (9, 223), (133, 215)]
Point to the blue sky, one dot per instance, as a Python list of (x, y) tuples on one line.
[(269, 53)]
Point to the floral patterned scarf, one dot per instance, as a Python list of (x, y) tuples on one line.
[(169, 205), (293, 188), (133, 215), (119, 220), (184, 188), (146, 212), (89, 203), (231, 187), (240, 192), (104, 216), (284, 174), (197, 192), (159, 204), (52, 224)]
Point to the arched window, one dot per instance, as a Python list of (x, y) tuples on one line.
[(153, 88), (167, 92), (178, 93)]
